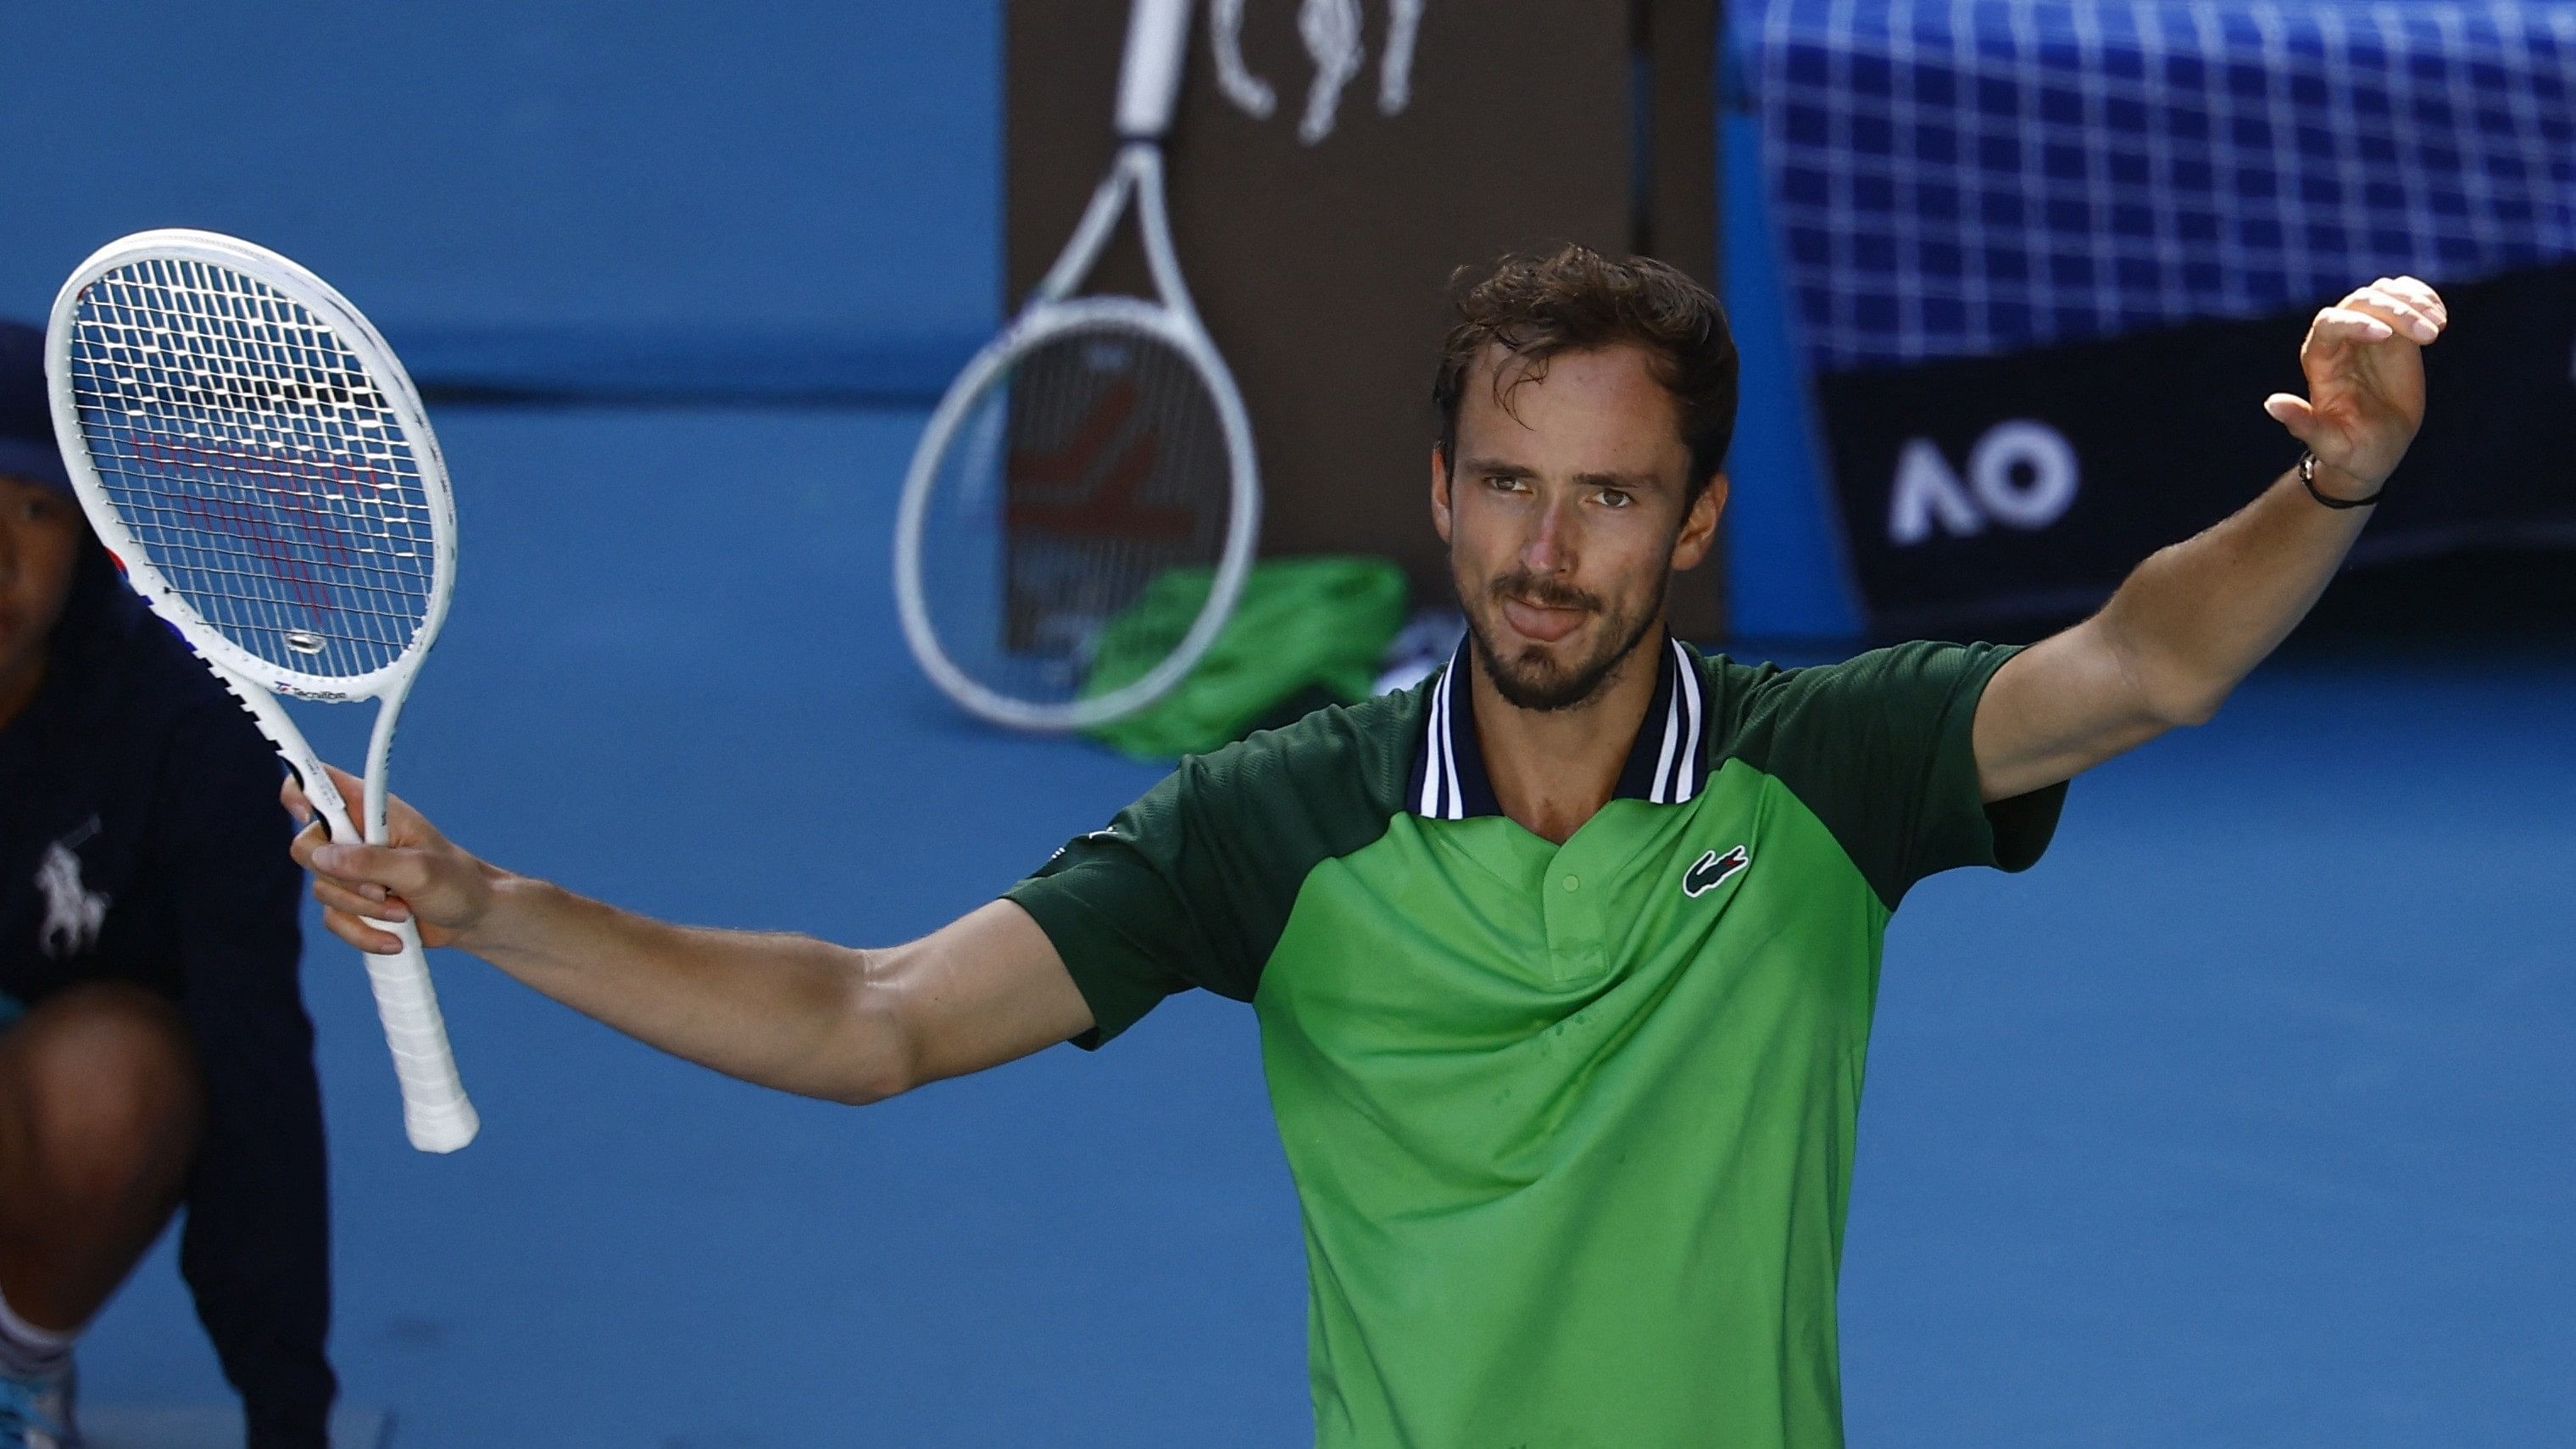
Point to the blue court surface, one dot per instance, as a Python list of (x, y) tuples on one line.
[(2245, 1119)]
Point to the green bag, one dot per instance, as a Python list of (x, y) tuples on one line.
[(1310, 629)]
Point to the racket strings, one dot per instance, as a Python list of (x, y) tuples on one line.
[(1090, 468), (256, 464)]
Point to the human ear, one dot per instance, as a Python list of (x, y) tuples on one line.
[(1699, 525), (1439, 493)]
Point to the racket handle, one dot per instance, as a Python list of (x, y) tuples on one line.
[(436, 1115), (1149, 81)]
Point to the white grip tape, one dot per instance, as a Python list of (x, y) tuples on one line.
[(436, 1115), (1149, 81)]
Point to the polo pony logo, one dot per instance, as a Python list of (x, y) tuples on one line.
[(73, 912), (1711, 870)]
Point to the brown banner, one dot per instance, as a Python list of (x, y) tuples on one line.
[(1318, 241)]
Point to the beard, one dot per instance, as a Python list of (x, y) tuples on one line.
[(1534, 681)]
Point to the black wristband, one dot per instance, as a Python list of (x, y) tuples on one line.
[(2308, 480)]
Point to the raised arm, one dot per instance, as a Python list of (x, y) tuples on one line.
[(782, 1010), (2196, 617)]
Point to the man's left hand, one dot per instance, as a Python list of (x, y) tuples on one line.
[(2365, 366)]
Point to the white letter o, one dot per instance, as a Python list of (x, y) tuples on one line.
[(2024, 444)]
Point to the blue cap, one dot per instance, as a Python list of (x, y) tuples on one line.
[(27, 447)]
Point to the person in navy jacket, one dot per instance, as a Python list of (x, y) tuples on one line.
[(154, 1050)]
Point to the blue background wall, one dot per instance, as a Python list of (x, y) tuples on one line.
[(525, 193)]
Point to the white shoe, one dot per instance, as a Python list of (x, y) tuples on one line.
[(37, 1413)]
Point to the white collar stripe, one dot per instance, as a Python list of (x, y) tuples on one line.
[(1449, 747), (1661, 791), (1686, 784), (1432, 730)]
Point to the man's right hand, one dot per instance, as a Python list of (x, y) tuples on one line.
[(417, 875)]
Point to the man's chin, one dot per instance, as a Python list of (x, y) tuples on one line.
[(1534, 678), (1546, 676)]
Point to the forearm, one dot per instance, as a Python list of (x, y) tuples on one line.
[(2196, 617), (784, 1011), (781, 1010)]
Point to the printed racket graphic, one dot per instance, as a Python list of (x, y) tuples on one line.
[(1081, 512)]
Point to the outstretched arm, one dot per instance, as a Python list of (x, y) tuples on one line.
[(784, 1011), (2195, 618)]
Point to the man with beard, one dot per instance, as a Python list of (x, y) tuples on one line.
[(1564, 961)]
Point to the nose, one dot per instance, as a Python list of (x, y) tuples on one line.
[(1550, 547)]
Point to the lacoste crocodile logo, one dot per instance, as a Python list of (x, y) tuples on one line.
[(1711, 870)]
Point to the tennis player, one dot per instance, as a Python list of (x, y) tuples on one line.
[(153, 1043), (1564, 960)]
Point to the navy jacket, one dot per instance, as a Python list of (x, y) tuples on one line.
[(136, 764)]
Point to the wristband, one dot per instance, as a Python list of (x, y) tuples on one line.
[(2308, 480)]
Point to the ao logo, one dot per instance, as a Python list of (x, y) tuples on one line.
[(2021, 474)]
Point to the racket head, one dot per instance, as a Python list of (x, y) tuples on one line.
[(253, 453), (1098, 444)]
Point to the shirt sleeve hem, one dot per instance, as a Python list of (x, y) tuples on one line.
[(1080, 939), (2012, 833)]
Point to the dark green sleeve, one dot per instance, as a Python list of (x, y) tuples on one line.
[(1881, 747), (1192, 884)]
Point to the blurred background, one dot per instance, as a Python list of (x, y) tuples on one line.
[(2243, 1120)]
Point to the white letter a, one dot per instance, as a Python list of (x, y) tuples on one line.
[(1926, 489)]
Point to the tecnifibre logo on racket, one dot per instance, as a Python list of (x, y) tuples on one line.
[(1711, 870)]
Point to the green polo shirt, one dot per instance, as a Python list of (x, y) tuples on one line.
[(1571, 1126)]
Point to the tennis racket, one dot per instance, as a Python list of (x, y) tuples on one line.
[(253, 454), (1088, 483)]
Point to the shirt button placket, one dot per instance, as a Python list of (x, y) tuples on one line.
[(1573, 926)]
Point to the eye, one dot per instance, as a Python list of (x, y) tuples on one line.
[(1616, 497), (1502, 484)]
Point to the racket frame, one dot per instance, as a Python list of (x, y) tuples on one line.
[(1149, 84), (437, 1116)]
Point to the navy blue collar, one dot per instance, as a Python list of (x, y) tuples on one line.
[(1667, 763)]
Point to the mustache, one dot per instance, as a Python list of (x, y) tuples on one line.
[(1546, 592)]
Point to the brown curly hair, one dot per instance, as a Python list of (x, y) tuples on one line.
[(1574, 299)]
